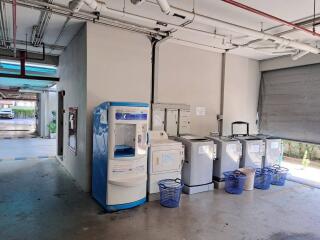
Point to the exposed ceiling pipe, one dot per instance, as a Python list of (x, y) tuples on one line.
[(38, 30), (239, 29), (62, 10), (299, 55), (264, 14), (3, 25), (164, 5), (76, 5), (14, 28)]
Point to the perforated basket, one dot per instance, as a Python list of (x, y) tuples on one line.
[(234, 182), (279, 175), (170, 192), (263, 178)]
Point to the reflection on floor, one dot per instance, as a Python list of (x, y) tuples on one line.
[(307, 175), (27, 148), (17, 128), (39, 201)]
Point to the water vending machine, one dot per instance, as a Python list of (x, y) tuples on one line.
[(119, 171)]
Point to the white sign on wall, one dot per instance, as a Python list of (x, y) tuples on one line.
[(200, 111)]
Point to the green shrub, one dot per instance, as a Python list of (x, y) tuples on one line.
[(301, 150), (24, 113)]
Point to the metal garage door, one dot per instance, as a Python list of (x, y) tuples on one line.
[(289, 105)]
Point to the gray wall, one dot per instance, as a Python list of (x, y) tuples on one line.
[(73, 76), (241, 92), (191, 76)]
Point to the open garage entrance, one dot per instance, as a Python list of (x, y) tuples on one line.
[(18, 115), (28, 111)]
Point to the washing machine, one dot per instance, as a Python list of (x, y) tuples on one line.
[(253, 148), (197, 170), (273, 150), (229, 152)]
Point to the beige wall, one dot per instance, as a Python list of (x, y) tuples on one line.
[(73, 70), (241, 91), (191, 76), (119, 69), (109, 64)]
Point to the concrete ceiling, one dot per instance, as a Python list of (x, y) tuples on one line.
[(290, 10)]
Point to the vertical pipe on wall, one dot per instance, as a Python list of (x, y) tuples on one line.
[(220, 116), (153, 63), (155, 69)]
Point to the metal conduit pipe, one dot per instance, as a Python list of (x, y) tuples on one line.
[(239, 29), (106, 12), (3, 29), (86, 16)]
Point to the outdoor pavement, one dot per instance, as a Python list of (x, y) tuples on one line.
[(27, 148), (17, 128), (307, 175)]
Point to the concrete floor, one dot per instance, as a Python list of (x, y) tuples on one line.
[(38, 200), (27, 148)]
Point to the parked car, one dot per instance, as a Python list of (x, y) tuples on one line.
[(6, 113)]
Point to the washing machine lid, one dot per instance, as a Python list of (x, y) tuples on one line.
[(195, 138), (158, 142), (224, 139), (249, 138)]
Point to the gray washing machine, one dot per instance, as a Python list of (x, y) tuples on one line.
[(253, 148), (197, 169), (229, 152), (273, 150)]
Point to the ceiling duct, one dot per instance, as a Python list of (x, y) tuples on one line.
[(137, 2), (76, 5), (198, 18), (164, 5), (299, 55), (240, 29)]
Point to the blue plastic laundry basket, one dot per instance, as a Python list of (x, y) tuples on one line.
[(234, 182), (263, 178), (279, 175), (170, 192)]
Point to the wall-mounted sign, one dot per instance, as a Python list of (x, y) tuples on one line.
[(200, 111)]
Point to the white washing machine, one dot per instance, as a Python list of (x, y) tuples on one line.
[(229, 152), (165, 161), (273, 150), (197, 169), (253, 148)]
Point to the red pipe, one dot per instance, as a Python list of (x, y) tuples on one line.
[(264, 14), (14, 16)]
